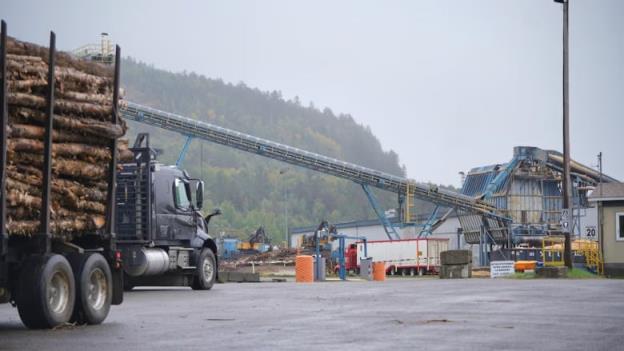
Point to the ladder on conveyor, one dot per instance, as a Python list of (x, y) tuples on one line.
[(358, 174)]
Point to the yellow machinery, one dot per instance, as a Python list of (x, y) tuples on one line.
[(591, 251), (257, 242), (552, 250)]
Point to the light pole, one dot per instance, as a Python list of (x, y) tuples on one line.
[(600, 169), (282, 172), (566, 186)]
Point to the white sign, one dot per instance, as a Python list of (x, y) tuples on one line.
[(565, 220), (590, 232), (501, 268)]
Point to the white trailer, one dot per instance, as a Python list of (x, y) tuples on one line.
[(408, 256)]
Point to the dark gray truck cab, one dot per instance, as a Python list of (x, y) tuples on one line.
[(161, 232)]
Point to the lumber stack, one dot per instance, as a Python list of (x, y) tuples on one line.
[(82, 135)]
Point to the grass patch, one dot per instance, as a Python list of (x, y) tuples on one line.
[(577, 273)]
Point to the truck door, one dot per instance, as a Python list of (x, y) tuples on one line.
[(174, 215)]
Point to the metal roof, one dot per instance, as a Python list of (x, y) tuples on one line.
[(609, 192)]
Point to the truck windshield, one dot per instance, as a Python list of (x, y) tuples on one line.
[(180, 195)]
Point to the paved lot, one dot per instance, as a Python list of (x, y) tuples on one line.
[(427, 314)]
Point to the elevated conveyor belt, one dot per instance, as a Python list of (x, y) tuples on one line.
[(361, 175)]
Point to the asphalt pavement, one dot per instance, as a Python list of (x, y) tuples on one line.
[(399, 314)]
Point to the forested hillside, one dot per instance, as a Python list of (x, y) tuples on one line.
[(252, 190)]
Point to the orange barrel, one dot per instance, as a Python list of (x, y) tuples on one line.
[(379, 271), (304, 269)]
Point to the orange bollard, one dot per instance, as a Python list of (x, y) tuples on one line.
[(304, 269), (379, 271)]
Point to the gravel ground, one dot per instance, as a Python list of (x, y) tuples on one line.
[(399, 314)]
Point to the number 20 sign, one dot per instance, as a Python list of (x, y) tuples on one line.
[(590, 231)]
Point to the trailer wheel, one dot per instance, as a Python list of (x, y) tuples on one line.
[(206, 271), (94, 289), (45, 292)]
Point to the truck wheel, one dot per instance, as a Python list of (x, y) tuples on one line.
[(45, 292), (94, 289), (206, 271)]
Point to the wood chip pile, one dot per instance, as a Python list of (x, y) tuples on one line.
[(83, 130)]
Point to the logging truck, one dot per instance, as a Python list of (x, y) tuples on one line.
[(74, 222), (58, 155), (160, 230)]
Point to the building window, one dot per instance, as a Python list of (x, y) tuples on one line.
[(619, 226)]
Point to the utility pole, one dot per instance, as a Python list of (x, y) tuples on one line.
[(566, 186), (600, 170), (282, 173)]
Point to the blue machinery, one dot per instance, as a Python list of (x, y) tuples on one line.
[(406, 188), (342, 271), (185, 148), (385, 222)]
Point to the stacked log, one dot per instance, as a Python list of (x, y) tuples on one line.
[(82, 134)]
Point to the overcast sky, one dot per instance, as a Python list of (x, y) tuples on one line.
[(449, 85)]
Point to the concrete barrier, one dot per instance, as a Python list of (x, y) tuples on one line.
[(455, 264), (456, 271), (552, 272), (455, 257), (238, 277)]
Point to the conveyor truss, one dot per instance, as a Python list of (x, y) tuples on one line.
[(366, 177)]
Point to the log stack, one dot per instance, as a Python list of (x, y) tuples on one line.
[(82, 135)]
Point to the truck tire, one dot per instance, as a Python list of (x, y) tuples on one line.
[(94, 289), (206, 271), (45, 292)]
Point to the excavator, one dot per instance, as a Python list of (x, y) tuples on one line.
[(324, 234), (257, 242)]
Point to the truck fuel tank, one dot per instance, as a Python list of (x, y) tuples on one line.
[(141, 261)]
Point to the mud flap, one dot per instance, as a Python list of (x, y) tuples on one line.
[(118, 290)]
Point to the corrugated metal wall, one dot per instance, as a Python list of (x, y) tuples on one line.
[(530, 196)]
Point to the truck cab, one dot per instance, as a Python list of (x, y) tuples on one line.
[(161, 232)]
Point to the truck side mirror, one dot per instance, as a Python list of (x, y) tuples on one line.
[(199, 195), (215, 212)]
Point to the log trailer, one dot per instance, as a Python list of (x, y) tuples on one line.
[(53, 279)]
